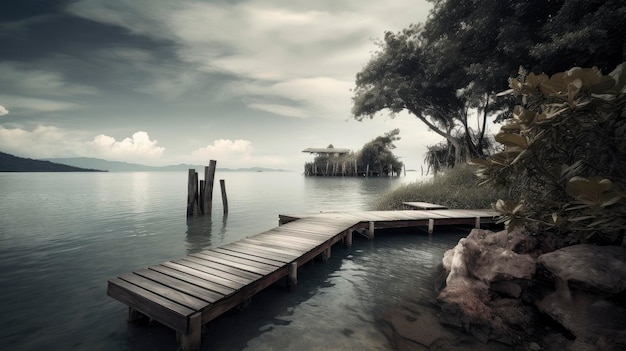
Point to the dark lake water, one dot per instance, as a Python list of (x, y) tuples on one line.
[(63, 235)]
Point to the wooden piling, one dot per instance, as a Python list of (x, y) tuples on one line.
[(192, 193), (477, 223), (348, 240), (431, 226), (367, 170), (326, 254), (371, 230), (224, 198), (292, 277), (193, 339), (209, 175), (201, 198)]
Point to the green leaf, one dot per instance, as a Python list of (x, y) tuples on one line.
[(510, 139)]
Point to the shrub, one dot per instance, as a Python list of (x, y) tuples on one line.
[(565, 152), (453, 188)]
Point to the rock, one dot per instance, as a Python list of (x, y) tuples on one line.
[(510, 288), (599, 269), (588, 280), (483, 261), (500, 264)]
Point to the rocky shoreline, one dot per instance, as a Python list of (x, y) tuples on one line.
[(513, 289)]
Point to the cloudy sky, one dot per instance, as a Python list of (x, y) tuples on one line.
[(156, 82)]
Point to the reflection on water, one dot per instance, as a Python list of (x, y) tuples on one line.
[(63, 235), (200, 229)]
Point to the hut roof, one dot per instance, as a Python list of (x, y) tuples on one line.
[(326, 150)]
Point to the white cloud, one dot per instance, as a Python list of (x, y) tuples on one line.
[(49, 141), (3, 111), (32, 104), (229, 153), (288, 111), (41, 142), (34, 82), (137, 147), (320, 97)]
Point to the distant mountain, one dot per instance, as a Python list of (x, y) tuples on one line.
[(115, 166), (11, 163)]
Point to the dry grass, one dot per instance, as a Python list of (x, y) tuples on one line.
[(456, 188)]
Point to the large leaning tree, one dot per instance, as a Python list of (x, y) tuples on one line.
[(452, 66)]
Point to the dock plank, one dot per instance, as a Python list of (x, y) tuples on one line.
[(257, 258), (195, 280), (259, 251), (165, 291), (180, 285), (243, 264), (167, 312), (202, 266), (227, 268)]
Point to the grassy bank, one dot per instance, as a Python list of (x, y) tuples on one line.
[(455, 188)]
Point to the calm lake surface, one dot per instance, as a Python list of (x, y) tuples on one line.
[(62, 235)]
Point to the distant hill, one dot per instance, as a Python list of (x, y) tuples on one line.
[(116, 166), (11, 163)]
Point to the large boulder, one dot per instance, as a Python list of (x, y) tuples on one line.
[(600, 269), (479, 265), (590, 282)]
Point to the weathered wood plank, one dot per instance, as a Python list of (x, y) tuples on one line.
[(282, 248), (259, 251), (202, 266), (295, 238), (251, 257), (280, 243), (290, 254), (424, 205), (223, 267), (165, 291), (246, 265), (180, 285), (195, 280), (203, 274), (155, 306)]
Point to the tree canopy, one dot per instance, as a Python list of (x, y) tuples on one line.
[(452, 66)]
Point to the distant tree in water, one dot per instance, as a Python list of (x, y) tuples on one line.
[(378, 155), (375, 155)]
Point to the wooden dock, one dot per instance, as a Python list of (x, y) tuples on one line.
[(186, 293)]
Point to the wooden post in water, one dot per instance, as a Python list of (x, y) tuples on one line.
[(371, 230), (224, 198), (367, 170), (201, 198), (327, 164), (356, 171), (348, 240), (209, 175), (192, 193), (292, 277), (326, 254), (193, 339)]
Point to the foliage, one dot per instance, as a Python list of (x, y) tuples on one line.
[(452, 66), (375, 155), (454, 188), (564, 151), (378, 155)]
